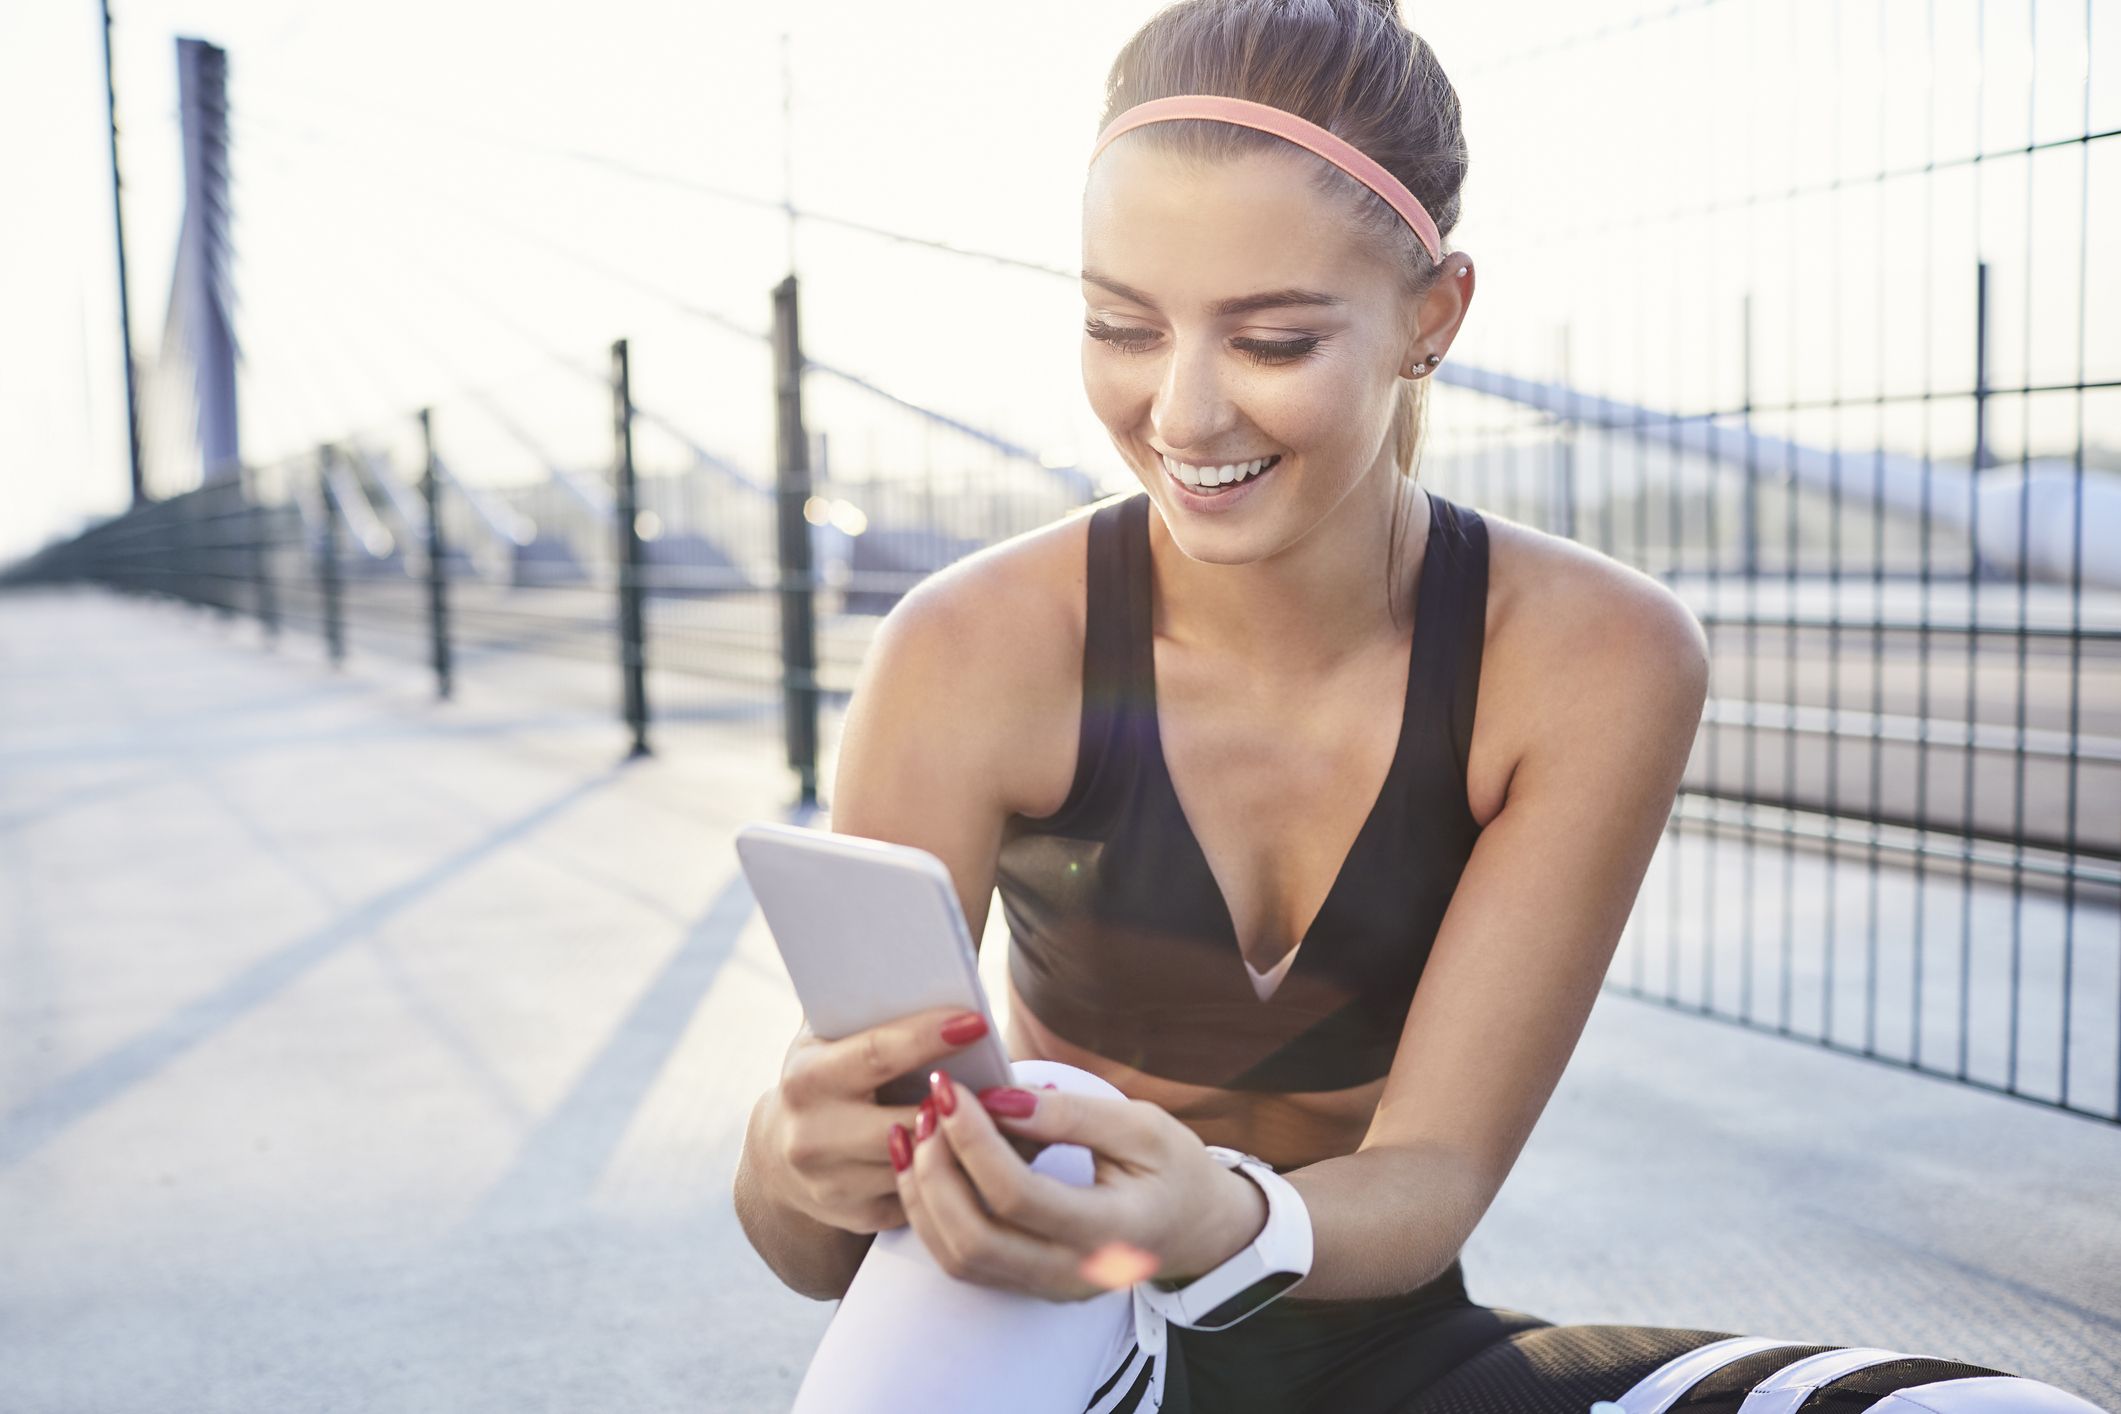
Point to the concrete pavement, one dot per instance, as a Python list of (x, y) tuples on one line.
[(362, 1053)]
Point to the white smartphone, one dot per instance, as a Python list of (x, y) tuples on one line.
[(870, 932)]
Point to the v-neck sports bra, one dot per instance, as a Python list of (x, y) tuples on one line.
[(1121, 940)]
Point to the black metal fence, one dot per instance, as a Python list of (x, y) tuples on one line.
[(1845, 397), (696, 589), (1824, 356)]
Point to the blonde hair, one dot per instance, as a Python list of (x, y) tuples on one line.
[(1353, 68)]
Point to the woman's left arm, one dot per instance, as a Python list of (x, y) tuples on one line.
[(1524, 945), (1509, 982)]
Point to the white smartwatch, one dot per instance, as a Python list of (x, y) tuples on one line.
[(1276, 1260)]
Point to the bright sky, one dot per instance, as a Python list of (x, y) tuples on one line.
[(405, 229)]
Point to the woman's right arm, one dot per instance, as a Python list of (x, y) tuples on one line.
[(923, 762), (809, 1256), (804, 1200)]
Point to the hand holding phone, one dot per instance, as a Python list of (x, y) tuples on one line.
[(880, 954), (825, 1132)]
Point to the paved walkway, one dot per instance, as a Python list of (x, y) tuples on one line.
[(362, 1053)]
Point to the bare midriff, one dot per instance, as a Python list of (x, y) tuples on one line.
[(1288, 1130)]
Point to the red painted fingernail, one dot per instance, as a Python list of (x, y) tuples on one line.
[(942, 1091), (901, 1149), (1010, 1101), (924, 1122), (960, 1030)]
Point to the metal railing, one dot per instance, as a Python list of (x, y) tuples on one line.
[(1899, 832), (1850, 406)]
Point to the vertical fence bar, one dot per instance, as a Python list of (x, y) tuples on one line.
[(1749, 504), (1974, 652), (235, 542), (328, 559), (125, 306), (1980, 366), (1749, 536), (437, 570), (792, 489), (204, 524), (2076, 622), (257, 524), (183, 541), (207, 530), (632, 660)]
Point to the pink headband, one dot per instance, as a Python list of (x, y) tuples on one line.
[(1283, 124)]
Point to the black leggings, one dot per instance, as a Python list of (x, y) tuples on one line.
[(1434, 1351)]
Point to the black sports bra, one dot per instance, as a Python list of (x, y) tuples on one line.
[(1121, 940)]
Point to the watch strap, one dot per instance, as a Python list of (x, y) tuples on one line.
[(1275, 1260)]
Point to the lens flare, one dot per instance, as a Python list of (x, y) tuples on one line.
[(1118, 1264)]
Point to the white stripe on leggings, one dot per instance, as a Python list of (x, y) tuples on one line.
[(1129, 1372), (1984, 1394), (1785, 1391), (1153, 1336), (1654, 1392)]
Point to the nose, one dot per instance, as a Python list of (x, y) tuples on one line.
[(1191, 409)]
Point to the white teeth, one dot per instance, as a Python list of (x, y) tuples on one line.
[(1215, 475)]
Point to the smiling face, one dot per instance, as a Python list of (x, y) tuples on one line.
[(1177, 360)]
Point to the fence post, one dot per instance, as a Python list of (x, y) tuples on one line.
[(1750, 508), (437, 572), (799, 694), (183, 547), (1980, 460), (199, 545), (632, 655), (328, 559), (258, 524), (231, 518)]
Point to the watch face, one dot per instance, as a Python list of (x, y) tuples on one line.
[(1244, 1303)]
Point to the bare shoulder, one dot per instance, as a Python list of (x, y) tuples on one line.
[(1574, 636), (1547, 592), (991, 647)]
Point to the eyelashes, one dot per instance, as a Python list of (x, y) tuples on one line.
[(1268, 351)]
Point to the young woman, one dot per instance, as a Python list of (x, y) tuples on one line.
[(1251, 752)]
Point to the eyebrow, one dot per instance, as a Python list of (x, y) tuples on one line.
[(1238, 304)]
